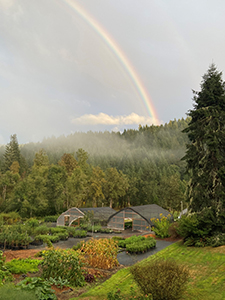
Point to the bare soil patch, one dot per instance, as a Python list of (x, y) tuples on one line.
[(16, 254)]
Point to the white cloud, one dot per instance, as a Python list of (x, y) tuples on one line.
[(104, 119)]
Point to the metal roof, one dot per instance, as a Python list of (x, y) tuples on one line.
[(101, 213), (148, 211)]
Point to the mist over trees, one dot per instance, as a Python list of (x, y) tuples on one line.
[(95, 168)]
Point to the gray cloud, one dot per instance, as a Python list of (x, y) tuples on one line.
[(55, 68)]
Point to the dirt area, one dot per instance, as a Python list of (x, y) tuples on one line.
[(15, 254)]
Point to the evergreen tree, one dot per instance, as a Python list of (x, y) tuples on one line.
[(12, 153), (205, 154)]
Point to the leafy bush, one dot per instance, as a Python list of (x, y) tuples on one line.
[(5, 275), (43, 229), (161, 226), (78, 246), (41, 288), (23, 265), (164, 279), (218, 239), (33, 223), (141, 246), (9, 292), (80, 234), (14, 236), (173, 230), (58, 282), (100, 253), (62, 235), (9, 218), (55, 230), (131, 240), (193, 231), (64, 264), (51, 218), (118, 238)]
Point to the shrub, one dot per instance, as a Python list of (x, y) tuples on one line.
[(141, 246), (23, 265), (78, 246), (173, 230), (5, 275), (80, 234), (118, 238), (193, 230), (131, 240), (43, 229), (51, 218), (40, 287), (33, 223), (55, 230), (164, 279), (100, 253), (9, 292), (218, 239), (161, 226), (64, 264), (62, 235)]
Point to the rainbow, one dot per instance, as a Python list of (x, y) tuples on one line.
[(120, 56)]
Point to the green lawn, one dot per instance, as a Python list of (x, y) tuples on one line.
[(207, 268)]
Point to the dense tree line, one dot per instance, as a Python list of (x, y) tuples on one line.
[(95, 168)]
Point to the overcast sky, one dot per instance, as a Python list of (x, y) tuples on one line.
[(58, 75)]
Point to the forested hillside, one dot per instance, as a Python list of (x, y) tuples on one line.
[(95, 168)]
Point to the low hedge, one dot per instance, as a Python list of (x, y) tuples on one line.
[(131, 240), (142, 246), (80, 234), (137, 244)]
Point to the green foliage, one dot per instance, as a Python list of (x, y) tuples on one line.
[(9, 218), (39, 286), (64, 264), (9, 292), (173, 230), (205, 150), (51, 218), (141, 246), (59, 282), (21, 266), (131, 240), (80, 234), (43, 229), (45, 238), (161, 226), (164, 279), (14, 236), (133, 295), (5, 275), (136, 244), (33, 223)]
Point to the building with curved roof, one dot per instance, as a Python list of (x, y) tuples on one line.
[(74, 213), (139, 215)]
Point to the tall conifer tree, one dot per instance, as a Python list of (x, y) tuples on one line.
[(205, 154), (12, 153)]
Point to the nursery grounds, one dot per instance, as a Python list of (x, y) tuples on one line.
[(207, 274)]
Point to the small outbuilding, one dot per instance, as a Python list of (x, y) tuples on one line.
[(139, 215), (73, 214)]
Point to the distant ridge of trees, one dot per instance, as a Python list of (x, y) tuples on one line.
[(135, 167)]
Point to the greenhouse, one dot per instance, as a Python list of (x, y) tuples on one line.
[(74, 214), (140, 216)]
